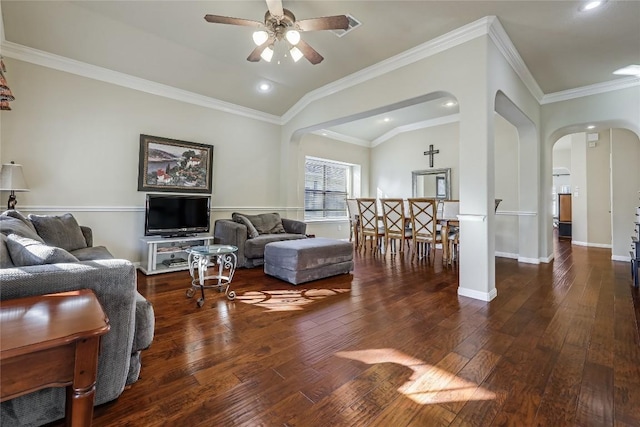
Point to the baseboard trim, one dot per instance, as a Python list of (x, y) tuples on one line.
[(620, 258), (529, 260), (482, 296), (547, 259), (506, 255), (591, 245)]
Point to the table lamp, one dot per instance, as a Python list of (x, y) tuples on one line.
[(12, 179)]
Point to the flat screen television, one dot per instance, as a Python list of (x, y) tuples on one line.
[(171, 215)]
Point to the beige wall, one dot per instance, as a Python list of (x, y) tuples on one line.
[(599, 192), (625, 158), (78, 140), (393, 161), (579, 190), (507, 175)]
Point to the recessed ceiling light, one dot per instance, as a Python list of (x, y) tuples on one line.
[(591, 127), (450, 104), (590, 5), (386, 119), (629, 70), (264, 87)]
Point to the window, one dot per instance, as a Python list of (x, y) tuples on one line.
[(326, 187)]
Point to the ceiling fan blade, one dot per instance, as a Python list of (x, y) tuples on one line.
[(339, 22), (217, 19), (254, 56), (309, 52), (275, 8)]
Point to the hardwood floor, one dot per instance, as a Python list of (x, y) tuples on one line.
[(393, 345)]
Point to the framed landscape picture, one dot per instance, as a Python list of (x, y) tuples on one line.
[(173, 165)]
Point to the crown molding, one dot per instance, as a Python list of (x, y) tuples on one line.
[(595, 89), (439, 44), (61, 63), (505, 46), (452, 118), (342, 137)]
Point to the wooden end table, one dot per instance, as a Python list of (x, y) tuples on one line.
[(53, 341)]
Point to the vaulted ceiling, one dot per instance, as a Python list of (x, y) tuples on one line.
[(169, 42)]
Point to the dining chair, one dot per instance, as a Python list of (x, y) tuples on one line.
[(395, 223), (368, 224), (424, 230), (352, 208), (451, 229)]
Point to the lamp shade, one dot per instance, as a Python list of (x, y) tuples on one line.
[(12, 178)]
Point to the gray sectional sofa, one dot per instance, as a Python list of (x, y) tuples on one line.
[(48, 254), (251, 233)]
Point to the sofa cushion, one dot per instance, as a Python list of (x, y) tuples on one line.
[(62, 231), (92, 253), (241, 219), (267, 223), (25, 251), (5, 257), (145, 324), (254, 248), (18, 215), (11, 225)]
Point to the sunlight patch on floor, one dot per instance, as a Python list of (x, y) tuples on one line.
[(287, 299), (428, 384)]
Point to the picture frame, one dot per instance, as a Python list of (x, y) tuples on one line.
[(175, 166), (441, 187)]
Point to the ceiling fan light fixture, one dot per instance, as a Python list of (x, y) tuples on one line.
[(292, 36), (259, 37), (296, 54), (267, 54)]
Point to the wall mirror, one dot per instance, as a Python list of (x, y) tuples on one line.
[(435, 183)]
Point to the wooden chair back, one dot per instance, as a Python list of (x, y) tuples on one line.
[(368, 221), (423, 219), (393, 216)]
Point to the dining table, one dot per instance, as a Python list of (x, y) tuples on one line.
[(445, 223)]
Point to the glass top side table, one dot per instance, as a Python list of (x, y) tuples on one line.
[(201, 258)]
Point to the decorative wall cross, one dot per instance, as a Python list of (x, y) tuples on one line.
[(431, 153)]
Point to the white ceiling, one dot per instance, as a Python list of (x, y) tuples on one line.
[(169, 42)]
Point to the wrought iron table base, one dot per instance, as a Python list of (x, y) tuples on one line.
[(198, 265)]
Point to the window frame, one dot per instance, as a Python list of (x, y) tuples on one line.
[(349, 168)]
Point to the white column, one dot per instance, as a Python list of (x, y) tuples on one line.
[(477, 198)]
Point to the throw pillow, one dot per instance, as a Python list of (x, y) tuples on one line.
[(269, 223), (5, 257), (18, 215), (242, 219), (62, 231), (11, 225), (25, 251)]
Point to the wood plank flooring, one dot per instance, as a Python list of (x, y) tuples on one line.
[(393, 345)]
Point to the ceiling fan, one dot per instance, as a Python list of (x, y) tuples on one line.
[(279, 24)]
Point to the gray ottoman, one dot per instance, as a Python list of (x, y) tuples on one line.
[(300, 261)]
